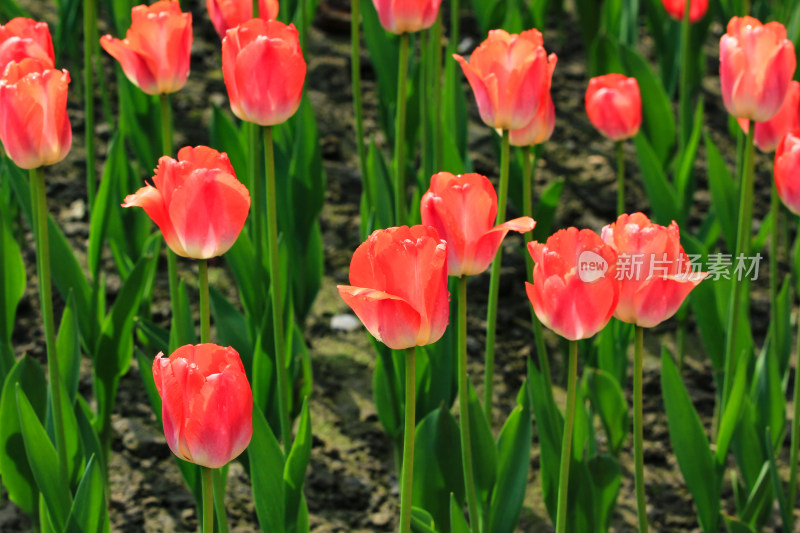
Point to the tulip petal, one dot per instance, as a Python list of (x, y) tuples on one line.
[(390, 319)]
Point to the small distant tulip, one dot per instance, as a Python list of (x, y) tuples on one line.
[(655, 273), (264, 71), (206, 403), (508, 74), (22, 38), (676, 8), (768, 134), (463, 211), (197, 202), (756, 64), (155, 51), (227, 14), (34, 125), (406, 16), (614, 106), (540, 128), (787, 171), (574, 290), (398, 286)]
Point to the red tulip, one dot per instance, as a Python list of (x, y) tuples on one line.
[(22, 38), (756, 64), (398, 286), (614, 106), (574, 290), (197, 202), (508, 74), (34, 125), (541, 126), (206, 403), (768, 134), (787, 171), (155, 51), (406, 16), (676, 8), (264, 71), (463, 210), (227, 14), (655, 273)]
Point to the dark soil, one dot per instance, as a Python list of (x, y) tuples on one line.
[(351, 484)]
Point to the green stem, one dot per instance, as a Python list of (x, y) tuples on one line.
[(424, 131), (566, 440), (463, 402), (166, 125), (42, 239), (795, 446), (89, 39), (303, 26), (408, 442), (620, 178), (742, 249), (208, 500), (258, 194), (255, 9), (774, 283), (454, 13), (638, 443), (355, 75), (205, 310), (684, 100), (275, 290), (436, 88), (494, 284), (172, 259), (219, 499), (400, 134)]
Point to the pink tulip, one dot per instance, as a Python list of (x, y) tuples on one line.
[(756, 64), (155, 51), (676, 8), (398, 286), (197, 202), (655, 273), (787, 170), (614, 106), (574, 290), (508, 74), (463, 210), (206, 403), (406, 16), (227, 14), (34, 125), (768, 134), (541, 126), (22, 38)]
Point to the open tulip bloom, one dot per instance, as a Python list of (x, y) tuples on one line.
[(227, 14), (22, 38), (406, 16)]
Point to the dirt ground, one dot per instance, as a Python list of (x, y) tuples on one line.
[(351, 484)]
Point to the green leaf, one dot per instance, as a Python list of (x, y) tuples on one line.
[(663, 199), (484, 452), (115, 171), (768, 399), (12, 287), (723, 192), (609, 403), (88, 513), (691, 446), (545, 210), (68, 348), (550, 426), (266, 475), (777, 488), (684, 182), (733, 410), (230, 324), (422, 521), (296, 464), (606, 476), (227, 137), (458, 524)]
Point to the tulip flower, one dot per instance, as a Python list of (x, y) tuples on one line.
[(541, 126), (398, 286), (655, 273), (787, 171), (756, 64), (406, 16), (676, 8), (463, 210), (227, 14), (197, 202), (574, 290), (264, 71), (508, 74), (769, 134), (206, 403), (155, 51), (34, 125), (614, 106), (22, 38)]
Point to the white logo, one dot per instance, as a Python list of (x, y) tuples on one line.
[(591, 266)]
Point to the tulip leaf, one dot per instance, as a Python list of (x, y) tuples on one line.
[(385, 389), (684, 178), (266, 475), (384, 50), (252, 289), (12, 287), (89, 513), (68, 348), (768, 399), (606, 476), (691, 446), (296, 464), (550, 426), (732, 411), (231, 326), (12, 9), (484, 452), (115, 171), (781, 330), (663, 199), (75, 453), (734, 525), (228, 138), (609, 403), (544, 211), (777, 487), (723, 192), (458, 524), (760, 495), (422, 521)]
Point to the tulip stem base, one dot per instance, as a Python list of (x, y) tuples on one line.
[(205, 310), (208, 499), (400, 134), (42, 240), (276, 287), (463, 403), (408, 442), (494, 283), (638, 440), (566, 439), (620, 178)]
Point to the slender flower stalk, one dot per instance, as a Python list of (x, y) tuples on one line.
[(172, 259), (400, 134), (408, 442), (436, 88), (463, 402), (205, 310), (42, 238), (620, 178), (566, 440), (358, 108), (684, 102), (774, 282), (208, 499), (254, 132), (275, 291), (219, 498), (638, 445), (494, 283), (89, 43)]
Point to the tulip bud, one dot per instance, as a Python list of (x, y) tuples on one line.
[(676, 9), (22, 38), (406, 16), (614, 106), (227, 14)]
